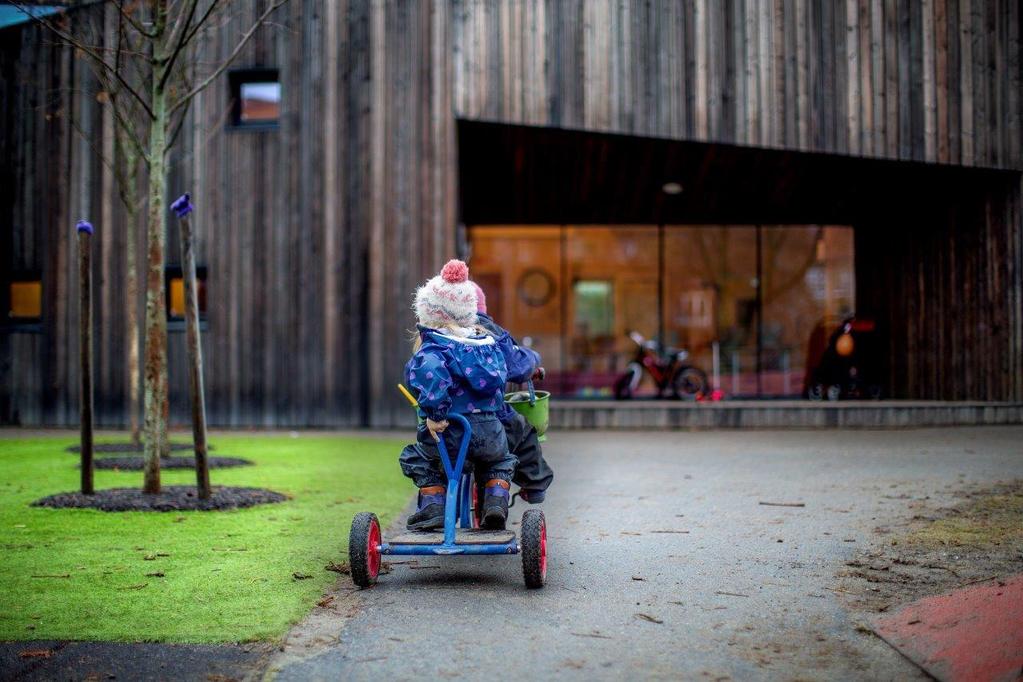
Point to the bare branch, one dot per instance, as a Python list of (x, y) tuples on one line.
[(90, 52), (129, 130), (91, 140), (135, 23), (185, 99), (202, 21), (177, 39)]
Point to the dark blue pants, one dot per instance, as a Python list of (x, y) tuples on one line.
[(531, 471), (488, 451)]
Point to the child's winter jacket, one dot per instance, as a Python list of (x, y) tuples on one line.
[(457, 374)]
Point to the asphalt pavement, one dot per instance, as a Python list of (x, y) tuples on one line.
[(665, 564)]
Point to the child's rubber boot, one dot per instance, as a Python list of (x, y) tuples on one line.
[(430, 509), (495, 504), (532, 496)]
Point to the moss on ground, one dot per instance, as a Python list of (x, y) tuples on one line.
[(982, 521)]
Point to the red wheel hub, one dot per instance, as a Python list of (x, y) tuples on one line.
[(373, 550), (543, 550)]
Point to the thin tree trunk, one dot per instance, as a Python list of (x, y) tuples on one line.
[(165, 448), (155, 393), (202, 472), (85, 350)]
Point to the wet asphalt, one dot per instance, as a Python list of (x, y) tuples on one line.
[(664, 564)]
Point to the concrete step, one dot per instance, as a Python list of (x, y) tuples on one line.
[(670, 414)]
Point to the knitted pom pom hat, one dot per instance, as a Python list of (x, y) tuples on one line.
[(481, 299), (447, 299)]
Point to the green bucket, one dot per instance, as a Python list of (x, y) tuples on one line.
[(533, 405)]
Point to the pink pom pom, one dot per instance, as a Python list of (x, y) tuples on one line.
[(455, 271)]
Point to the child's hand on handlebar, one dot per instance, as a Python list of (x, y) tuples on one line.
[(436, 427)]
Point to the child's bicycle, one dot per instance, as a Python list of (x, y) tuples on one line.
[(462, 535)]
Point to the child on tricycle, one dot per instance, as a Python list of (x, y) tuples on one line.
[(459, 372), (457, 367)]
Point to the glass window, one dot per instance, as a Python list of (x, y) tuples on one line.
[(747, 303), (176, 293), (261, 102), (26, 300), (255, 98), (710, 301)]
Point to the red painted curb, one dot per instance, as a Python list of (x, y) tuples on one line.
[(971, 634)]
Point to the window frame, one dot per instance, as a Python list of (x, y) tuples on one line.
[(236, 78), (22, 324), (170, 273)]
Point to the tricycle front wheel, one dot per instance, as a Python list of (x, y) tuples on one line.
[(364, 549), (534, 548)]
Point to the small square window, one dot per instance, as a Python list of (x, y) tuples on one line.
[(26, 301), (176, 293), (255, 98)]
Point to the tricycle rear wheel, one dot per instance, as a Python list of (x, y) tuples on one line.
[(534, 548), (364, 549)]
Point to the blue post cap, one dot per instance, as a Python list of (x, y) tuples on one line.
[(182, 205), (84, 226)]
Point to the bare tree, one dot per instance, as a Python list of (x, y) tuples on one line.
[(151, 76)]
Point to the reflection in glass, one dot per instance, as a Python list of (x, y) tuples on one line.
[(745, 301), (260, 102)]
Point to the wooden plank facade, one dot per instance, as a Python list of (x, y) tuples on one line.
[(315, 234)]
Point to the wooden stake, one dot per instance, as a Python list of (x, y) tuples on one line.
[(85, 350), (202, 473)]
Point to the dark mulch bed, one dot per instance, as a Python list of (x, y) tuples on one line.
[(127, 447), (172, 498), (136, 463)]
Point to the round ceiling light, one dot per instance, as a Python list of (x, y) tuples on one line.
[(671, 188)]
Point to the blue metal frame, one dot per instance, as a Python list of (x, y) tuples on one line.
[(457, 508)]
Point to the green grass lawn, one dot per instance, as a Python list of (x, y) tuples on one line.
[(227, 576)]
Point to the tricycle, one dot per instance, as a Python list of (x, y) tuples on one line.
[(462, 535)]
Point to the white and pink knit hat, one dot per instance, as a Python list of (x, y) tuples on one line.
[(447, 299)]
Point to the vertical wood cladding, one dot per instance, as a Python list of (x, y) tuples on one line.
[(315, 234), (945, 284), (927, 80)]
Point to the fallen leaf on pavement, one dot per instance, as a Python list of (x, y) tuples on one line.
[(590, 634), (650, 619), (325, 602)]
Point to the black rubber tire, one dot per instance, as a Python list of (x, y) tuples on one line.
[(534, 548), (690, 383), (358, 543)]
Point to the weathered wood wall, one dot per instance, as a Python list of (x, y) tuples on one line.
[(316, 234), (945, 282), (928, 80), (324, 227)]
